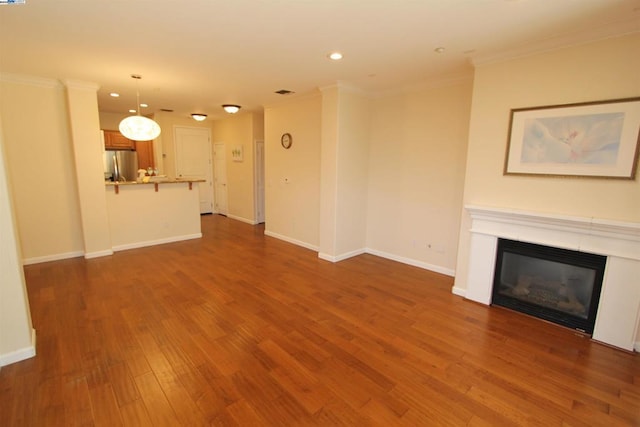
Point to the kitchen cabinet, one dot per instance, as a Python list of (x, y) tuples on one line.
[(114, 140), (145, 154)]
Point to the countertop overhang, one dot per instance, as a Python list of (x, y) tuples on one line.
[(116, 184), (163, 181)]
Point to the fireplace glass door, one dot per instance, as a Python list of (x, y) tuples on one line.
[(557, 285)]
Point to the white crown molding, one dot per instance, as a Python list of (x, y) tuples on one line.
[(79, 84), (434, 82), (346, 87), (30, 80), (562, 41)]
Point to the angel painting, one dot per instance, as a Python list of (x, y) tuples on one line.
[(585, 139)]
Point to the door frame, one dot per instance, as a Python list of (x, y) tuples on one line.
[(209, 169), (215, 193), (256, 183)]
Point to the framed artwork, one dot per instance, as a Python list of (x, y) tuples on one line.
[(592, 139), (237, 154)]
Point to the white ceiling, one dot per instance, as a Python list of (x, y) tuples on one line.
[(196, 55)]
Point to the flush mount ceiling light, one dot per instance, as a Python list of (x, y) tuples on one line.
[(335, 56), (114, 95), (198, 117), (139, 128), (231, 108)]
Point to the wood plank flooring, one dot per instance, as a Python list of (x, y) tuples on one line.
[(239, 329)]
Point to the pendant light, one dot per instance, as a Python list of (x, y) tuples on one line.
[(139, 128)]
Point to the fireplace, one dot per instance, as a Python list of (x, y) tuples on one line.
[(558, 285), (617, 318)]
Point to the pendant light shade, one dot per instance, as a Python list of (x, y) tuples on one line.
[(139, 128)]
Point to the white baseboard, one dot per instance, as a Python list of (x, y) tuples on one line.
[(55, 257), (21, 354), (156, 242), (413, 262), (241, 219), (290, 240), (636, 347), (98, 254), (341, 257), (460, 292)]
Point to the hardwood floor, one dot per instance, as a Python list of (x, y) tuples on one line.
[(241, 329)]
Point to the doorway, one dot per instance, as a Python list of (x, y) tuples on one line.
[(220, 178), (259, 184), (193, 161)]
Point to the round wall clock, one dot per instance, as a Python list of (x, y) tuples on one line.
[(286, 140)]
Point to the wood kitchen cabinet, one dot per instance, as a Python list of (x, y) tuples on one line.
[(145, 154), (114, 140)]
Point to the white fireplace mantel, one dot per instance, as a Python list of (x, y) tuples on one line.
[(619, 308)]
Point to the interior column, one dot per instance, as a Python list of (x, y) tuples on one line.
[(84, 122)]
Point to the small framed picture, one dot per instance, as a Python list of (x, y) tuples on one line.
[(237, 153)]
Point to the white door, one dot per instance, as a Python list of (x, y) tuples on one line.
[(259, 185), (193, 161), (220, 178)]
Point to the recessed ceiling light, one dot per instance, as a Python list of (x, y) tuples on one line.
[(115, 95), (132, 111), (439, 50), (335, 56), (143, 105), (284, 92)]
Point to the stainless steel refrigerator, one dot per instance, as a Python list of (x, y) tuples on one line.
[(120, 165)]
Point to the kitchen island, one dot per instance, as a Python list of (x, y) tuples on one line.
[(152, 213)]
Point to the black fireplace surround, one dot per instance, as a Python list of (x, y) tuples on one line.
[(557, 285)]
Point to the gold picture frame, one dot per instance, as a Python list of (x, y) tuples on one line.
[(592, 139)]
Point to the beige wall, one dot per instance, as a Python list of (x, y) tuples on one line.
[(174, 214), (352, 159), (82, 105), (240, 130), (16, 337), (328, 174), (608, 69), (293, 176), (41, 167), (416, 174), (344, 163), (111, 121)]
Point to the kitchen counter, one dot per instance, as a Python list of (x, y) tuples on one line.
[(160, 181), (139, 217), (154, 182)]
